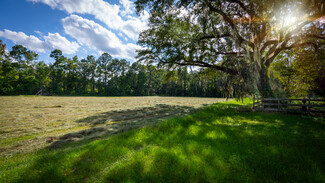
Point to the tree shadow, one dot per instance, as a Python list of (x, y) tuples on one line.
[(118, 121), (218, 144)]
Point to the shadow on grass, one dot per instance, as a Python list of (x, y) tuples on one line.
[(118, 121), (217, 144)]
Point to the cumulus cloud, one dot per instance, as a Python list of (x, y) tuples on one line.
[(51, 41), (56, 41), (96, 37), (107, 13), (128, 7)]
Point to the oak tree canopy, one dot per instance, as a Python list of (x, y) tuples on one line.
[(238, 37)]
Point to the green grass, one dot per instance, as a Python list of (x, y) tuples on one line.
[(216, 144)]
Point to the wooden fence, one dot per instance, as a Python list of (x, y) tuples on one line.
[(306, 105)]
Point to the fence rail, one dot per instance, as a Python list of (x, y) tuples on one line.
[(305, 105)]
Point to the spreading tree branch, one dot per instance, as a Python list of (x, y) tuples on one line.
[(215, 36), (301, 45), (207, 65), (230, 22)]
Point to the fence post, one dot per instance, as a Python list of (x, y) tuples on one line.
[(263, 104), (279, 105), (254, 102)]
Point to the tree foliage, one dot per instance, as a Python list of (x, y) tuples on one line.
[(104, 76), (301, 71), (230, 35)]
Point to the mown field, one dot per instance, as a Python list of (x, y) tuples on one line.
[(223, 142), (28, 123)]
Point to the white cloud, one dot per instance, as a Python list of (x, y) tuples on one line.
[(51, 42), (128, 7), (120, 34), (133, 27), (30, 42), (105, 12), (56, 41), (96, 37), (38, 32)]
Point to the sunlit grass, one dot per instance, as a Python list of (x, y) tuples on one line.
[(216, 144)]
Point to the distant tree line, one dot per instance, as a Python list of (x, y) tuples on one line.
[(21, 74), (297, 72)]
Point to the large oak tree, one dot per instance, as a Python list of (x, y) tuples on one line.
[(233, 36)]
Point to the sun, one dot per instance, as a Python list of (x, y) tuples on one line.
[(289, 20)]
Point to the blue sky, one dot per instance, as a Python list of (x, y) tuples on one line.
[(77, 27)]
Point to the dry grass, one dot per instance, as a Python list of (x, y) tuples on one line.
[(31, 123)]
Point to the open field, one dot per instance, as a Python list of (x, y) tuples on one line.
[(223, 142), (29, 123)]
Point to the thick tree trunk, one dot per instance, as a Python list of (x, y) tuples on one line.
[(264, 83)]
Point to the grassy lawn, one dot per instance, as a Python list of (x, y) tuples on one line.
[(29, 123), (216, 144)]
